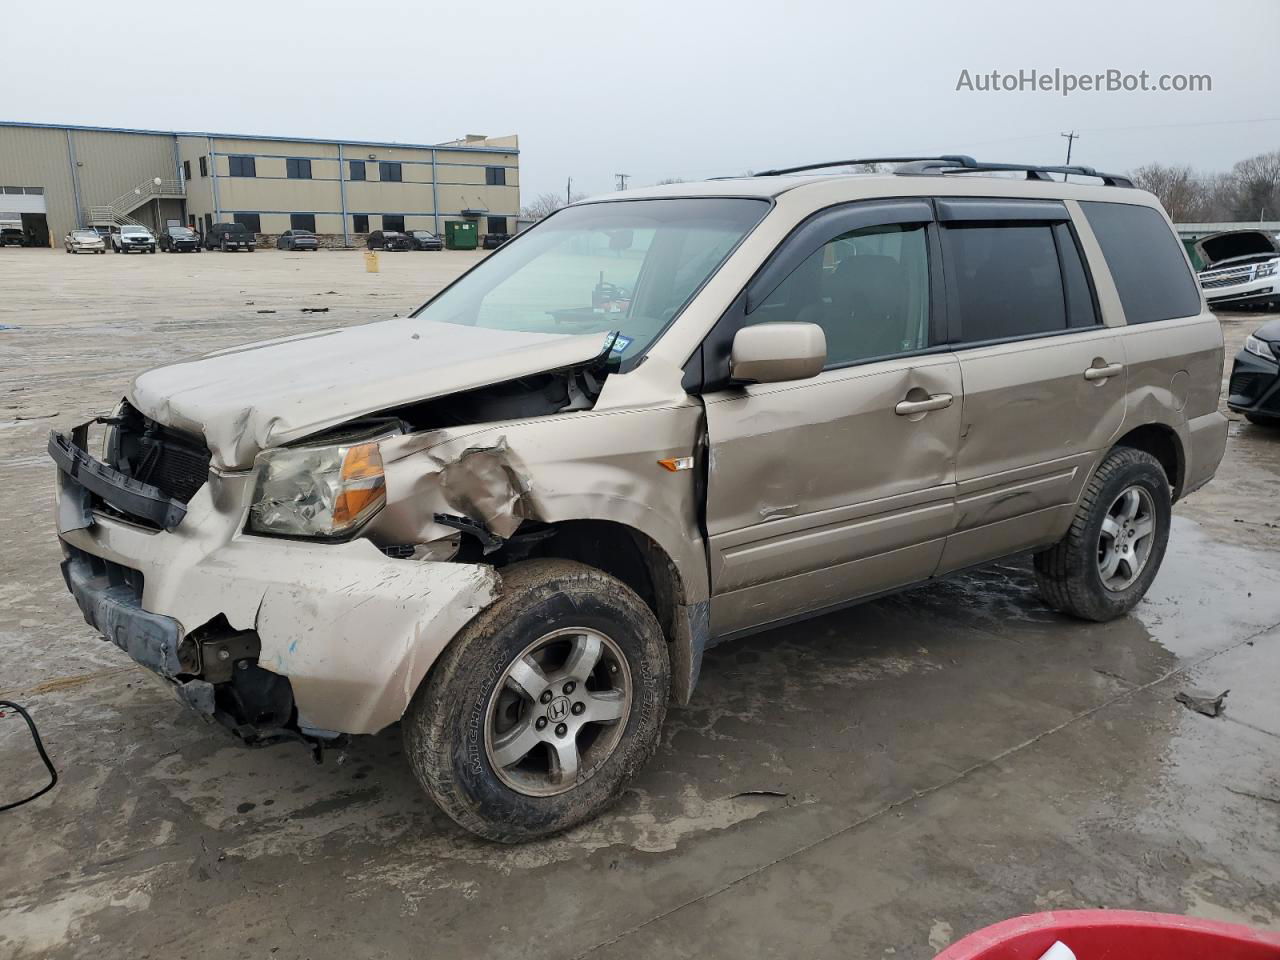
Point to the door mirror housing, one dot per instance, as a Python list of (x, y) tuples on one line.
[(775, 352)]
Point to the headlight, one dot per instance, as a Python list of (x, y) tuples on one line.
[(1267, 269), (1259, 348), (317, 491)]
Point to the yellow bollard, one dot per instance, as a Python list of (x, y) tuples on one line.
[(371, 261)]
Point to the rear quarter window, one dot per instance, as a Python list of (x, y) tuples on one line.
[(1146, 261)]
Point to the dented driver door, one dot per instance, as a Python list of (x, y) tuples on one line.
[(825, 490)]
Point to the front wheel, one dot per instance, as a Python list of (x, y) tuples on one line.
[(1113, 550), (544, 707), (1261, 420)]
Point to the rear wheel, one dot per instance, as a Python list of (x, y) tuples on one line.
[(1107, 560), (544, 707)]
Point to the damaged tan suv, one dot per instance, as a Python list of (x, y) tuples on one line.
[(515, 520)]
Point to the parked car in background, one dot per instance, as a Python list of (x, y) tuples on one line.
[(230, 236), (492, 241), (1237, 268), (388, 240), (513, 521), (133, 236), (425, 240), (1254, 387), (83, 241), (297, 240), (177, 239), (12, 237)]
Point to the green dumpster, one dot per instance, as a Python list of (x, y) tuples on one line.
[(460, 235)]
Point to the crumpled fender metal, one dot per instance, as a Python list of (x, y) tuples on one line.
[(586, 465)]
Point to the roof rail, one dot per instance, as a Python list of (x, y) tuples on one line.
[(1033, 171), (949, 159), (958, 163)]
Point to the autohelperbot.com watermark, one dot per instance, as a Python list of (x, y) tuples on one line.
[(1065, 82)]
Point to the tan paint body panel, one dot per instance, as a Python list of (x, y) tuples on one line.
[(247, 400), (820, 473), (1032, 427)]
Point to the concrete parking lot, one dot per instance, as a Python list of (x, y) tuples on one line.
[(874, 783)]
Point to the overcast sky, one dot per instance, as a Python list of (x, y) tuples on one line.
[(656, 88)]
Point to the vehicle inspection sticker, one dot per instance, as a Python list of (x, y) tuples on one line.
[(620, 343)]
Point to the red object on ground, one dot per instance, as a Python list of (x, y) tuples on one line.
[(1116, 935)]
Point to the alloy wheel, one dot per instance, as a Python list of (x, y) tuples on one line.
[(558, 712), (1126, 539)]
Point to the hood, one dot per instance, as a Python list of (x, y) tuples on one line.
[(248, 399), (1269, 332), (1215, 250)]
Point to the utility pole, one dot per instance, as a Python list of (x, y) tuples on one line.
[(568, 191), (1071, 139), (622, 180)]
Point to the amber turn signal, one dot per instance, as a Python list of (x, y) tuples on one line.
[(675, 464)]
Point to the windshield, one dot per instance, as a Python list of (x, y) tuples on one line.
[(180, 232), (627, 267), (127, 229), (84, 234)]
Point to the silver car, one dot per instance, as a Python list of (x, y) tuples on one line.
[(84, 241)]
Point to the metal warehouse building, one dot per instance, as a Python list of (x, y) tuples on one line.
[(54, 178)]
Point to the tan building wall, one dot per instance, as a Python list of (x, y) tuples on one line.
[(98, 165), (436, 184)]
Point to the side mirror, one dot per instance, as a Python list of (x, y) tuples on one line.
[(774, 352)]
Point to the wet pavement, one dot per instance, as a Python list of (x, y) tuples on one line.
[(877, 782)]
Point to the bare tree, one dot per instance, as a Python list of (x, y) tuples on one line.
[(1257, 187), (666, 180), (1180, 191), (545, 204)]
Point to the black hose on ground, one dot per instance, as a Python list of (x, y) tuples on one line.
[(35, 735)]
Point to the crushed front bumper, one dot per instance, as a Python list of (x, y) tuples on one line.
[(353, 630)]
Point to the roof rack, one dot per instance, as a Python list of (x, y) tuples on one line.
[(951, 159), (959, 163), (945, 165)]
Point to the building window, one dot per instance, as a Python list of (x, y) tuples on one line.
[(186, 169), (497, 224), (242, 166), (495, 176), (252, 221), (302, 221), (389, 172), (360, 223), (393, 221), (298, 168), (357, 169), (204, 166)]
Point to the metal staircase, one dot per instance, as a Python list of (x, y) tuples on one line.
[(117, 212)]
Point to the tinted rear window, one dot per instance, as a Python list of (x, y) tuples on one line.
[(1007, 280), (1146, 262)]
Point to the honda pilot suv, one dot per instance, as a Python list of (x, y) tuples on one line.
[(516, 519)]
